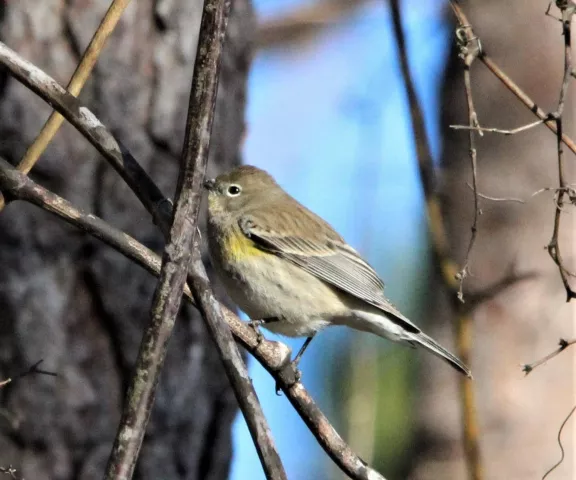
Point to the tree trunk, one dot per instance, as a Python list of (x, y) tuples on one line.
[(73, 302), (519, 417)]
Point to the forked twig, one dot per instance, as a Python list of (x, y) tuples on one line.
[(563, 345)]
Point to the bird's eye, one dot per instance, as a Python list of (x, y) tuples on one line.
[(234, 190)]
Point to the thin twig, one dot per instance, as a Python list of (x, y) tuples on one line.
[(554, 467), (496, 199), (273, 356), (32, 370), (443, 260), (567, 10), (510, 84), (470, 48), (563, 345), (187, 209), (498, 130), (93, 130), (79, 78), (178, 255)]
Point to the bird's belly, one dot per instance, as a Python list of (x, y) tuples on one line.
[(269, 287)]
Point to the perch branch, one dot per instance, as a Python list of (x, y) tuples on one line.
[(178, 255), (273, 356), (446, 265)]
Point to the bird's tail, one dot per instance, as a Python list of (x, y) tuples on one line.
[(430, 344)]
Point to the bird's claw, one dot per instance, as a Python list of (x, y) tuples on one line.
[(255, 325), (292, 366)]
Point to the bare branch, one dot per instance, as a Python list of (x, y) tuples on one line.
[(563, 345), (74, 87), (470, 48), (567, 10), (510, 84), (32, 370), (554, 467), (498, 130), (496, 199), (178, 254), (273, 356), (93, 130)]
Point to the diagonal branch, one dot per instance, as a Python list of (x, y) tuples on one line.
[(93, 130), (178, 254), (159, 207), (273, 356), (79, 78)]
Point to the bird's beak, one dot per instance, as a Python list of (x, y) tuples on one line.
[(209, 184)]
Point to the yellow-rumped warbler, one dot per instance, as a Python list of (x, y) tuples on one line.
[(289, 270)]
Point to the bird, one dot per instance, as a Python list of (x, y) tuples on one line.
[(291, 272)]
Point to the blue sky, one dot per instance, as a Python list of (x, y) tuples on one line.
[(329, 121)]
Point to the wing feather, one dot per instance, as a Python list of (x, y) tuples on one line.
[(329, 259)]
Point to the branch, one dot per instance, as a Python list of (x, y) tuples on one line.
[(178, 253), (77, 81), (567, 11), (514, 131), (509, 84), (469, 51), (273, 356), (553, 121), (93, 130), (563, 345), (33, 370), (443, 260), (559, 462)]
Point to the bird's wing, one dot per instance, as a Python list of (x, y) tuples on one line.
[(328, 258)]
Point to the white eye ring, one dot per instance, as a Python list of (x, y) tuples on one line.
[(233, 190)]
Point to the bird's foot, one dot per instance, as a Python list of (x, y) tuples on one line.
[(255, 325), (291, 375)]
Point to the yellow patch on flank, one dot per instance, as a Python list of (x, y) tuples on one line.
[(239, 247)]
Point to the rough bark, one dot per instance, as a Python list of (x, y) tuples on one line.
[(79, 306), (519, 417)]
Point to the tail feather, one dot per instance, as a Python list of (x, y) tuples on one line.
[(430, 344), (383, 326)]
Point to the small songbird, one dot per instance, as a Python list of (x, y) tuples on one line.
[(288, 270)]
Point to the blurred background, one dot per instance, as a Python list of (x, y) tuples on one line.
[(311, 91), (327, 116)]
